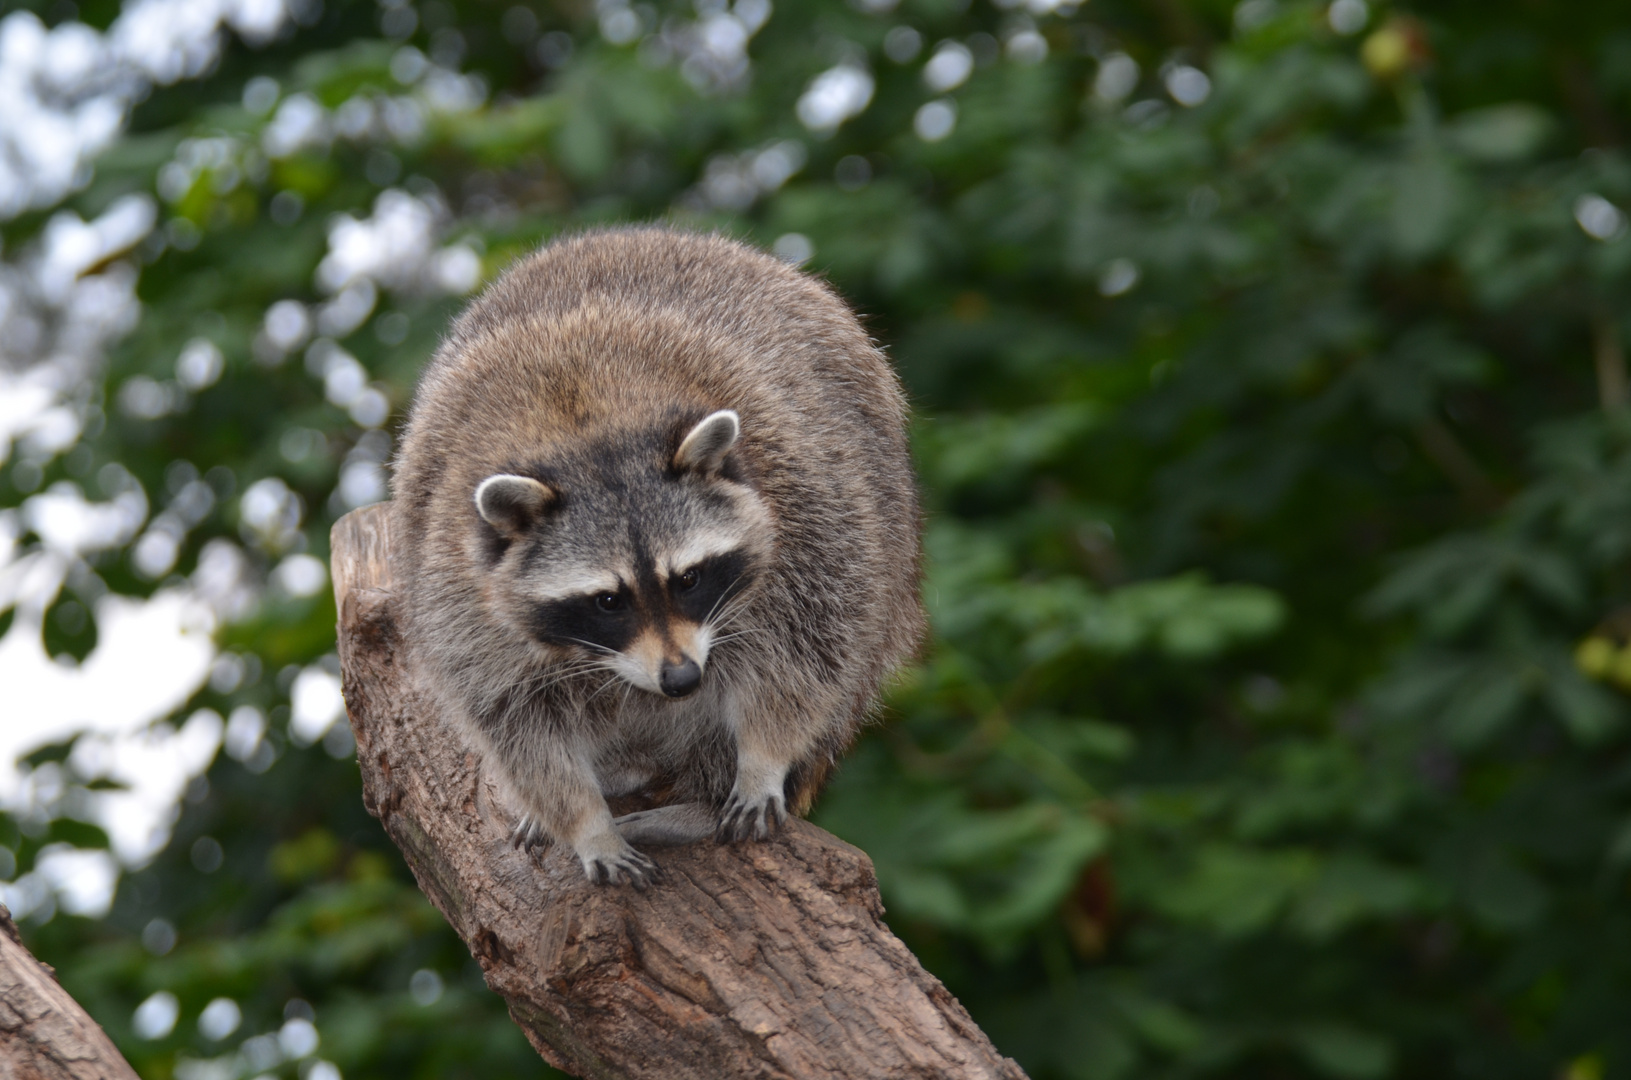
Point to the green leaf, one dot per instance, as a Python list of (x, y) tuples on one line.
[(1486, 702), (1500, 133), (1350, 889), (1344, 1052), (1237, 891)]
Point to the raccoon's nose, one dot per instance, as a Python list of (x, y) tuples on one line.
[(678, 680)]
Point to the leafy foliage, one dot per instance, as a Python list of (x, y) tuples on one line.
[(1273, 429)]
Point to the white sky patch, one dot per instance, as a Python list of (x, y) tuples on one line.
[(713, 50), (24, 399), (1117, 77), (69, 525), (1598, 218), (56, 320), (64, 297), (219, 1019), (949, 67), (735, 181), (1026, 46), (156, 763), (270, 514), (1189, 86), (935, 120), (150, 657), (300, 575), (361, 483), (68, 89), (794, 248), (315, 704), (156, 1017), (72, 246), (1118, 277), (81, 881), (396, 247), (1041, 7), (300, 122), (834, 96)]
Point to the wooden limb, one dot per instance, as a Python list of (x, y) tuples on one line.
[(762, 959), (44, 1034)]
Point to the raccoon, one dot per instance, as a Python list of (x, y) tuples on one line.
[(658, 532)]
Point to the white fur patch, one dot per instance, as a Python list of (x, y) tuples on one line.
[(575, 583), (701, 643), (636, 670), (759, 777), (701, 546)]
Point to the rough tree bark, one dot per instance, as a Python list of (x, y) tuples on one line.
[(765, 959), (44, 1034)]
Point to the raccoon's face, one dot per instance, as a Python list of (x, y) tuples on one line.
[(632, 555)]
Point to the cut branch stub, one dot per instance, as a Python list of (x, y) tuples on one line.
[(762, 959)]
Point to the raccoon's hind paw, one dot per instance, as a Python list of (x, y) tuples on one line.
[(528, 835), (756, 818), (630, 866), (609, 860)]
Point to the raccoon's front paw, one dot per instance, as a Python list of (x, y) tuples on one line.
[(609, 860), (528, 835), (753, 817)]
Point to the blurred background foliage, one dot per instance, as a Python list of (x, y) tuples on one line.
[(1271, 416)]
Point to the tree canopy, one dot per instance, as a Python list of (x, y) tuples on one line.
[(1272, 421)]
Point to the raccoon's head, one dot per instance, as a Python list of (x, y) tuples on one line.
[(633, 552)]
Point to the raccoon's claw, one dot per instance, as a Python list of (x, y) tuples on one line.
[(755, 819), (609, 860), (528, 835), (630, 866)]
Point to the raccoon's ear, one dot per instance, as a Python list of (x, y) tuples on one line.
[(708, 443), (513, 504)]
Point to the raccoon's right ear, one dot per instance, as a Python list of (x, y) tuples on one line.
[(513, 504), (708, 443)]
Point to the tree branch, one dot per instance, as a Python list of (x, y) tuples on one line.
[(762, 959), (44, 1034)]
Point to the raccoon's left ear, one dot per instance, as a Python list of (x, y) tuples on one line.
[(512, 504), (706, 446)]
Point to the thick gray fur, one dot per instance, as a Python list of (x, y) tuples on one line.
[(586, 367)]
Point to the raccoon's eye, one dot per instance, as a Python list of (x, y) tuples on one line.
[(689, 579), (609, 601)]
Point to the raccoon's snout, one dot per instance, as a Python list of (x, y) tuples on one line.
[(679, 680)]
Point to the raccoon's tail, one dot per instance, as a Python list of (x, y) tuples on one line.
[(681, 823)]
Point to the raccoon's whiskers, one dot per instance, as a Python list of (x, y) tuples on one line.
[(591, 645), (722, 638), (610, 679), (572, 667), (718, 630), (732, 611), (550, 677), (727, 597)]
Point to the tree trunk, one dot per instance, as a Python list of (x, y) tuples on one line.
[(760, 959), (44, 1034)]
